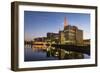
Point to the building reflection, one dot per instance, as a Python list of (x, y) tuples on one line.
[(70, 35)]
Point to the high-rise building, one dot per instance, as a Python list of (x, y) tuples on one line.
[(71, 34), (65, 22)]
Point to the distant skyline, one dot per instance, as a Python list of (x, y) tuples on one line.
[(37, 24)]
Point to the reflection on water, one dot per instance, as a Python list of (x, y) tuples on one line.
[(86, 56), (39, 53), (36, 54)]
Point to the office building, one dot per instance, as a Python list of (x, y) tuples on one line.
[(71, 34)]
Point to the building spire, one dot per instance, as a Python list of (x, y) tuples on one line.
[(65, 22)]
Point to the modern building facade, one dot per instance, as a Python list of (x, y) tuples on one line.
[(53, 37), (71, 34), (86, 42), (40, 39)]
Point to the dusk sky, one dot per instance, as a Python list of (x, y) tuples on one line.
[(37, 24)]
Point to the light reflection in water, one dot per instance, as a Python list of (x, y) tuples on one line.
[(41, 52)]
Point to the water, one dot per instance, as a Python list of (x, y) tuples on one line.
[(38, 54), (86, 56), (31, 54)]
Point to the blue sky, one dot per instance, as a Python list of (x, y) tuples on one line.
[(37, 24)]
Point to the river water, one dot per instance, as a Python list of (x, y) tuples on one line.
[(32, 54), (36, 55)]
